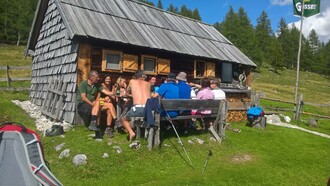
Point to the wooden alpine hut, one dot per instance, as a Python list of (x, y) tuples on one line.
[(69, 38)]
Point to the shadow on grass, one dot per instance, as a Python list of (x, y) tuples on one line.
[(177, 150)]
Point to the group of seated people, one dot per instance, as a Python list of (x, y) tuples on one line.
[(93, 97)]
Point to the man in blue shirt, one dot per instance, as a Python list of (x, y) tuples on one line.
[(169, 90), (184, 88)]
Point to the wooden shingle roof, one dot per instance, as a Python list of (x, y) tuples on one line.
[(134, 23)]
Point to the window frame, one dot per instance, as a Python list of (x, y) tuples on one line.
[(105, 52), (142, 64), (205, 68)]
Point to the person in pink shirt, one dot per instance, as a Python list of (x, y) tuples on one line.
[(204, 93)]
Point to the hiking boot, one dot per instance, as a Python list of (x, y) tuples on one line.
[(108, 132), (54, 130), (98, 135), (118, 123), (92, 126)]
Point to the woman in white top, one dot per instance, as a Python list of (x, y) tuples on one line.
[(218, 93)]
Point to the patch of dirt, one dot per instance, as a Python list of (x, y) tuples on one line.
[(242, 158)]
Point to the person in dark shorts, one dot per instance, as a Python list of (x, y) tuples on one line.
[(88, 98)]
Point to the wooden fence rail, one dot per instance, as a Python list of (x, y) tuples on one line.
[(297, 110), (8, 78)]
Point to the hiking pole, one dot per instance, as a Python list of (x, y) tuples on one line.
[(207, 161), (178, 137)]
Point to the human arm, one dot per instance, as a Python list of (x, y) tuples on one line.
[(154, 95), (85, 99), (107, 92), (195, 85)]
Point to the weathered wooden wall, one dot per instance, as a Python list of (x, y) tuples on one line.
[(84, 61), (54, 58)]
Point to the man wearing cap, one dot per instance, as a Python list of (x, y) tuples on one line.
[(184, 88), (139, 89), (169, 90)]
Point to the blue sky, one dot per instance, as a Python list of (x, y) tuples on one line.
[(213, 11)]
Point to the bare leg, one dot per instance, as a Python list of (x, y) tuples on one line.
[(112, 109), (96, 108), (128, 127), (109, 118)]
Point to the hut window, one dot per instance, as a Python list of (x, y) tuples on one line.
[(149, 64), (111, 60), (199, 69), (204, 69)]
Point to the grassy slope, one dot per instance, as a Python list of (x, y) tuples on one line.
[(13, 56), (275, 156), (314, 87)]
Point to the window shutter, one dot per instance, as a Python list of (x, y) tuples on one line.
[(130, 63), (163, 66), (210, 69)]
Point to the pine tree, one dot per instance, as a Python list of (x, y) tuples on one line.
[(263, 34), (185, 11), (173, 9), (292, 53), (217, 26), (275, 54), (195, 15), (247, 41), (327, 58), (283, 38), (229, 27), (160, 4), (314, 42), (16, 18)]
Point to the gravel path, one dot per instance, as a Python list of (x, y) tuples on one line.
[(42, 122), (275, 120)]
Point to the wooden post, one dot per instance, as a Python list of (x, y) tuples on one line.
[(150, 138), (248, 75), (84, 61), (8, 78), (299, 107), (222, 120), (255, 97)]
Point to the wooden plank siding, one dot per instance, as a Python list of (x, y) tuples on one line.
[(54, 58), (84, 61)]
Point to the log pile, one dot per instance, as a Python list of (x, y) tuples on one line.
[(237, 115)]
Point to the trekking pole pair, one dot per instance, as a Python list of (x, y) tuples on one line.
[(180, 141)]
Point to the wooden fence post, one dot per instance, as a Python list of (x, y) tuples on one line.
[(8, 78), (255, 99), (221, 120), (299, 106)]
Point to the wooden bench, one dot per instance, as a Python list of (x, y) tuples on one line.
[(218, 113)]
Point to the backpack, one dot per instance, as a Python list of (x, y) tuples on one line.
[(21, 157), (255, 112)]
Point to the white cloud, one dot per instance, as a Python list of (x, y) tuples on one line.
[(320, 23), (281, 2)]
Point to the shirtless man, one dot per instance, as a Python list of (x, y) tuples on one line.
[(139, 89)]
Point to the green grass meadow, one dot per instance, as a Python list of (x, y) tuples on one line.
[(271, 156)]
